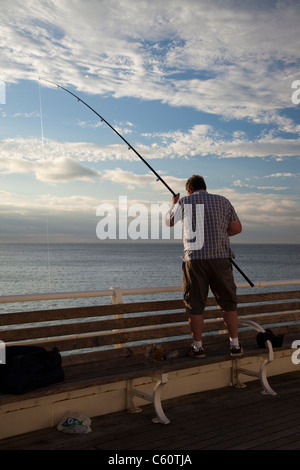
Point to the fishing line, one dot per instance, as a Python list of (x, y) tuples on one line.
[(136, 152), (47, 220)]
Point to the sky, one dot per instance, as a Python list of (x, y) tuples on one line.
[(205, 87)]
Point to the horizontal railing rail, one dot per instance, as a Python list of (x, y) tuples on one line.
[(116, 293)]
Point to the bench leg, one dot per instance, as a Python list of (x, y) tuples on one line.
[(160, 415), (261, 374), (154, 398), (267, 389), (236, 382), (131, 406)]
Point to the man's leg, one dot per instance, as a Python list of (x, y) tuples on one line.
[(195, 291), (231, 322), (224, 290), (196, 325)]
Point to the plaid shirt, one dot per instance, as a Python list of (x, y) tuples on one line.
[(217, 213)]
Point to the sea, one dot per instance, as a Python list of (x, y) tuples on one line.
[(50, 268)]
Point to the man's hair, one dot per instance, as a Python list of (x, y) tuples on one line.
[(195, 183)]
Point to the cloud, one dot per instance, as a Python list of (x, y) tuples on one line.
[(204, 140), (62, 170), (47, 218), (126, 177), (54, 170), (131, 181), (239, 184), (234, 60), (35, 149), (76, 214), (270, 211), (76, 203), (283, 175), (12, 202), (59, 162)]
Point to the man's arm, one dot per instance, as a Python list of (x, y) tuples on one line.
[(234, 228), (169, 217)]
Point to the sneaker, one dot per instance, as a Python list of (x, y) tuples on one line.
[(236, 351), (196, 352)]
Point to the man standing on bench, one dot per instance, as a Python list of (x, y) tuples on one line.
[(208, 222)]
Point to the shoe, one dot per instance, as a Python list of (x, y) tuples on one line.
[(236, 351), (196, 352)]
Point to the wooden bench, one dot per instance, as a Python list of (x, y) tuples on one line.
[(109, 343)]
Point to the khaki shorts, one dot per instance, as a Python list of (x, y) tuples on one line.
[(199, 275)]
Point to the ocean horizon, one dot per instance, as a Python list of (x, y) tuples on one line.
[(33, 268)]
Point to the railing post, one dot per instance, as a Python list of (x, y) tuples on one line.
[(2, 353), (116, 296)]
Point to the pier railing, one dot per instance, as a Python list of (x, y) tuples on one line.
[(117, 294)]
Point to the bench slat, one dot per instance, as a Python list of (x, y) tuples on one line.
[(86, 312), (120, 309), (268, 296), (150, 321), (77, 328), (36, 331), (267, 308)]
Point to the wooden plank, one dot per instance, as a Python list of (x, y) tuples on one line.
[(122, 309), (63, 329), (86, 312), (143, 355), (286, 329), (230, 418), (135, 322), (119, 309), (117, 335), (264, 308), (275, 318), (123, 335), (268, 296), (143, 328)]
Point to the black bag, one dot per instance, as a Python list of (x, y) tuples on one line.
[(276, 340), (28, 368)]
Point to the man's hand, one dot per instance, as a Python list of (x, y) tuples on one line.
[(234, 228), (169, 217), (176, 198)]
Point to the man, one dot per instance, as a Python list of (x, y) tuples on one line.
[(208, 222)]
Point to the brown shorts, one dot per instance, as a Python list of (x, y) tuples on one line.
[(199, 275)]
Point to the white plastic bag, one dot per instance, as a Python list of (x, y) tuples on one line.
[(75, 424)]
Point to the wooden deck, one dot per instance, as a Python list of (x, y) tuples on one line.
[(226, 419)]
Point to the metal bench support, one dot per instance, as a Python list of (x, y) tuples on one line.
[(262, 372), (154, 398)]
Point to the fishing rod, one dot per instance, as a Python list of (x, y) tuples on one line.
[(159, 178), (242, 273)]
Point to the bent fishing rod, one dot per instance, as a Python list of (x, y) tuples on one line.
[(159, 178), (115, 130)]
